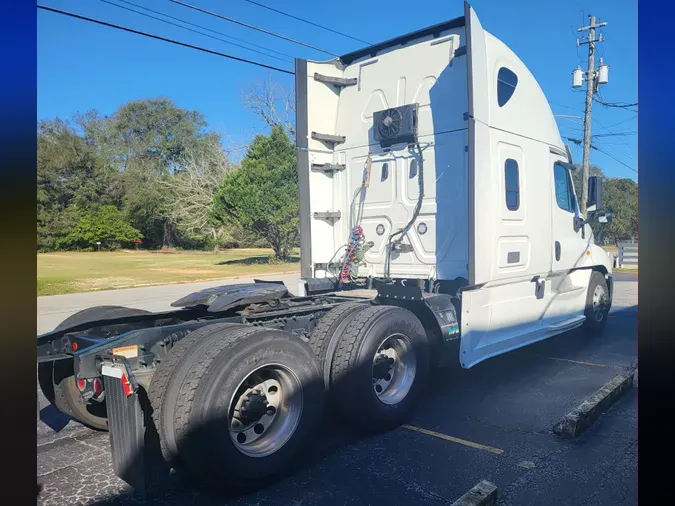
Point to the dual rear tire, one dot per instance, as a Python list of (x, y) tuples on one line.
[(235, 404), (375, 362)]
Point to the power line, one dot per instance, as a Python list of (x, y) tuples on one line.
[(232, 20), (306, 21), (163, 39), (190, 29), (209, 29), (579, 141), (594, 119), (618, 105), (614, 158), (614, 134), (622, 122)]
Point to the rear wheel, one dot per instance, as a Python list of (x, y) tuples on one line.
[(380, 367), (57, 379), (597, 303), (171, 373), (240, 416), (324, 338)]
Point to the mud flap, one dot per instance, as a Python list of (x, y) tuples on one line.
[(134, 442)]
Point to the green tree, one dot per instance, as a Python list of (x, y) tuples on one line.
[(106, 226), (619, 197), (262, 195), (145, 140), (72, 179)]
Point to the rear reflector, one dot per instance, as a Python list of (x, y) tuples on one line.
[(81, 384), (126, 386), (98, 387)]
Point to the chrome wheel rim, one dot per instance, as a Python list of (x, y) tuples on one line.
[(265, 410), (599, 303), (394, 369)]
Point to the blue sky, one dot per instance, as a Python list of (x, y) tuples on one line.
[(83, 66)]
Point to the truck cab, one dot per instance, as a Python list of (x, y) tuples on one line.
[(440, 151)]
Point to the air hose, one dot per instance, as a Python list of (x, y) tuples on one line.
[(392, 244)]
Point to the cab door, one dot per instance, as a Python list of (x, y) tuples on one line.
[(569, 248), (568, 245)]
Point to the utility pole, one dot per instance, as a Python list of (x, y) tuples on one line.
[(593, 79)]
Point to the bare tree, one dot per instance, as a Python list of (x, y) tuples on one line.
[(190, 191), (273, 103)]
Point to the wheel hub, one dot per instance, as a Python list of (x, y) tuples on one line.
[(394, 368), (253, 406), (265, 411), (599, 303), (383, 367)]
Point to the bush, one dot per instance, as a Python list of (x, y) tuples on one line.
[(105, 226)]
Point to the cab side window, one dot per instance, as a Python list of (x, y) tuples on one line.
[(506, 85), (512, 184), (564, 190)]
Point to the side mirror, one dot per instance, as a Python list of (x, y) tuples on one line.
[(594, 194), (605, 218)]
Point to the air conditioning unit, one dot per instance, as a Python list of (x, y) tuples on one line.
[(396, 125)]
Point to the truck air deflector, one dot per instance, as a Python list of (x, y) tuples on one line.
[(373, 50), (302, 156)]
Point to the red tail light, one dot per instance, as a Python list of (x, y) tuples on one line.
[(98, 387)]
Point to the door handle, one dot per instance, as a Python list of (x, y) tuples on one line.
[(557, 251), (539, 288)]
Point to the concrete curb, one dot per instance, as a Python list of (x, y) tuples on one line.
[(583, 416), (483, 494)]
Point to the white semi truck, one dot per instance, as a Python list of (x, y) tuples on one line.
[(431, 170)]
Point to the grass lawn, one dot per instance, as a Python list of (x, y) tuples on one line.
[(71, 272)]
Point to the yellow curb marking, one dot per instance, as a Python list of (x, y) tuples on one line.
[(464, 442)]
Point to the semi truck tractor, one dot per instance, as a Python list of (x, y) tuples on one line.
[(432, 174)]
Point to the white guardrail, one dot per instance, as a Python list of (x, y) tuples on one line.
[(628, 255)]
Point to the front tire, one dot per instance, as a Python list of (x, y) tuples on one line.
[(597, 303), (380, 368)]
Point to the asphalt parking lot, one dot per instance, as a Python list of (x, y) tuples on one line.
[(491, 422)]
